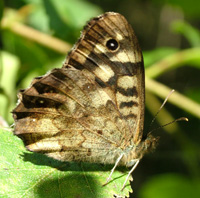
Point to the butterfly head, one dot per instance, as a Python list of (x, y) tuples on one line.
[(150, 143)]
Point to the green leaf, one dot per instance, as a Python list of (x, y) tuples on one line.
[(38, 18), (170, 185), (31, 55), (63, 18), (67, 18), (26, 174), (72, 12)]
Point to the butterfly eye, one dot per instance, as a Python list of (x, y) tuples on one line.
[(112, 44)]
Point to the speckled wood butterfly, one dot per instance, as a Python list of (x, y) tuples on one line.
[(92, 109)]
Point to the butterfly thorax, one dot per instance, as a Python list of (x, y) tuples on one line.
[(136, 152)]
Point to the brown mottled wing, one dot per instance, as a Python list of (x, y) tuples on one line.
[(92, 109), (120, 73)]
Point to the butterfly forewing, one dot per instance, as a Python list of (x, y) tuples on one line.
[(120, 73), (92, 109)]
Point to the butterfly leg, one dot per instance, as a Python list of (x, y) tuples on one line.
[(113, 169), (132, 169)]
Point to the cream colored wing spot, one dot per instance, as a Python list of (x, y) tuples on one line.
[(126, 82), (99, 48), (119, 37), (99, 98), (104, 72), (44, 145)]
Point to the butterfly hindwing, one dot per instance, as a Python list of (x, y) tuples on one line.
[(58, 116)]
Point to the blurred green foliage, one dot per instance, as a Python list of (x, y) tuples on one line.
[(164, 28)]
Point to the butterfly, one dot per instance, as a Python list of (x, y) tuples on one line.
[(91, 109)]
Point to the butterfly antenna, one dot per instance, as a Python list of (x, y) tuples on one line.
[(177, 120), (153, 120)]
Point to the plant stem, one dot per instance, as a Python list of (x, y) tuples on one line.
[(177, 99), (175, 60), (36, 36)]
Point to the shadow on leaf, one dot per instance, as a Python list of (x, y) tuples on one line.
[(73, 185)]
